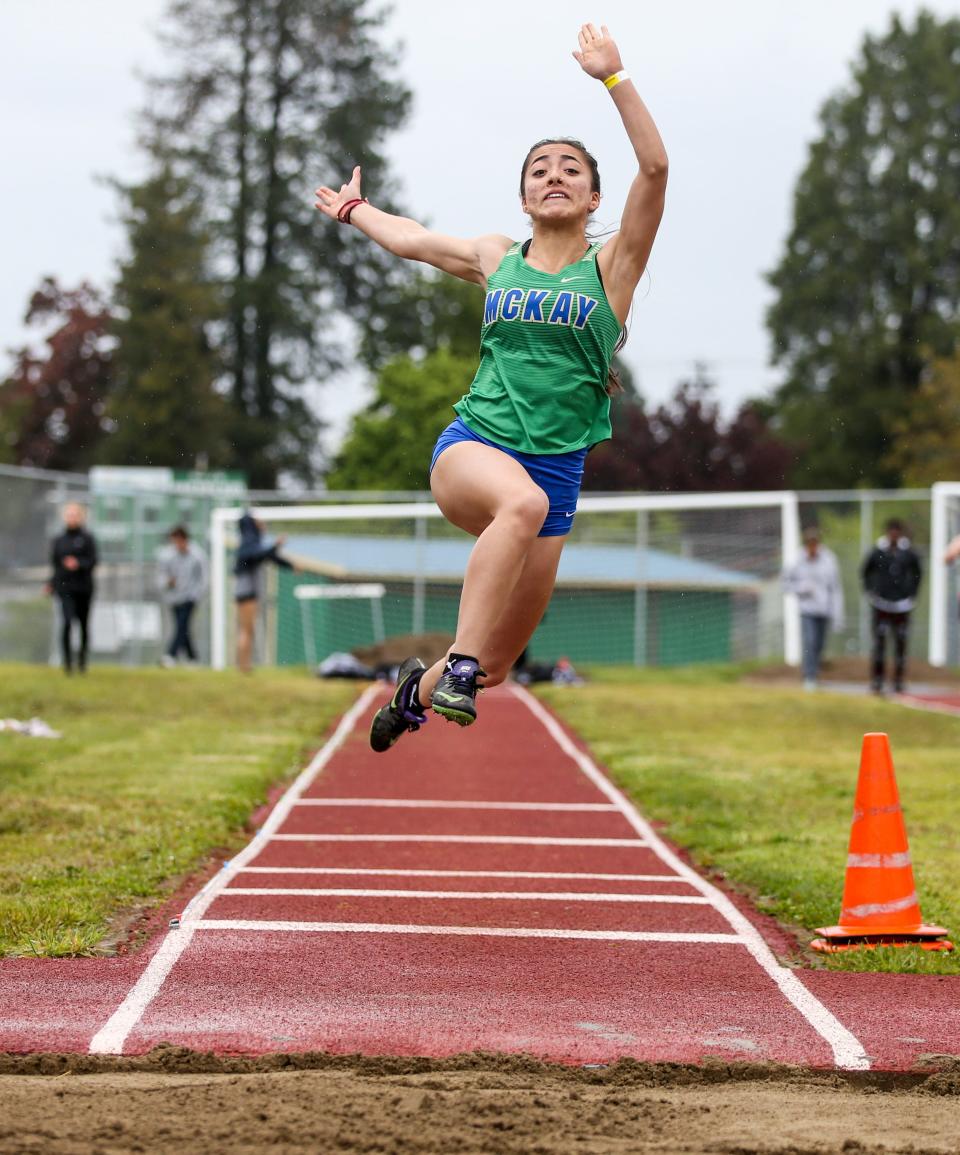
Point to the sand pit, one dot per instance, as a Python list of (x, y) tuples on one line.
[(474, 1104)]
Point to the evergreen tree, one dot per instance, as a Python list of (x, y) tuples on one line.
[(270, 98), (869, 284), (164, 408)]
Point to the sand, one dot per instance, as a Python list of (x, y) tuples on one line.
[(175, 1101)]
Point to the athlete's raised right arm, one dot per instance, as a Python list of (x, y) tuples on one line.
[(470, 260)]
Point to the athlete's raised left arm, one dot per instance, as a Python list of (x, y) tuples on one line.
[(623, 258)]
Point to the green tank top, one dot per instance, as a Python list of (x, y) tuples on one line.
[(545, 351)]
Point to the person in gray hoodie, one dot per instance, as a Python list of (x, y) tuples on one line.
[(182, 577), (815, 579)]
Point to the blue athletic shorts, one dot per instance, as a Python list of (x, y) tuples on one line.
[(558, 474)]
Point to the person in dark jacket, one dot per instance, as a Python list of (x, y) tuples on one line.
[(251, 554), (891, 579), (74, 558)]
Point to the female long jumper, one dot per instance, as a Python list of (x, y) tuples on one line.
[(508, 469)]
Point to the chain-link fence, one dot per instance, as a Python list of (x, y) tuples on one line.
[(130, 520), (129, 624), (851, 523)]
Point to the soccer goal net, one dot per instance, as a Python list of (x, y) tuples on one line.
[(659, 580), (944, 643)]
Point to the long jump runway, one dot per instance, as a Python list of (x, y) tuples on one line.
[(486, 889)]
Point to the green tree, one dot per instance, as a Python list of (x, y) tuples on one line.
[(165, 409), (269, 98), (389, 443), (870, 279), (926, 440), (420, 312)]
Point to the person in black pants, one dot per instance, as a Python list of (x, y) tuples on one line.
[(182, 577), (891, 578), (74, 558)]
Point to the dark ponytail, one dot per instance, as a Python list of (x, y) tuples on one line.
[(614, 386)]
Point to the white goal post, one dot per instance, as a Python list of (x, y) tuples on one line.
[(944, 525), (779, 508)]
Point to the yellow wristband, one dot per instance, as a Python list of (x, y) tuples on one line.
[(613, 81)]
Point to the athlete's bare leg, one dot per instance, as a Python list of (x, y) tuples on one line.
[(246, 623), (511, 571), (524, 611)]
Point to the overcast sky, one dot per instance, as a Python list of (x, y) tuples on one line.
[(735, 89)]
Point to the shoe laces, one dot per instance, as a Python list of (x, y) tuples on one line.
[(464, 676)]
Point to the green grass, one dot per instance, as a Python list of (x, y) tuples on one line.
[(158, 770), (155, 771), (757, 783)]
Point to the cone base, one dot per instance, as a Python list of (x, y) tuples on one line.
[(847, 938), (911, 930)]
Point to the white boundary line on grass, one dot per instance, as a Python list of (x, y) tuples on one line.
[(110, 1039), (848, 1051)]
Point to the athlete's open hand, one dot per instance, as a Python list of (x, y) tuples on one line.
[(599, 55), (330, 202)]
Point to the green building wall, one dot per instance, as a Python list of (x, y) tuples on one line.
[(585, 624)]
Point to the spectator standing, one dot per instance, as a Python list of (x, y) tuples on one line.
[(815, 579), (74, 558), (252, 552), (891, 579), (182, 577)]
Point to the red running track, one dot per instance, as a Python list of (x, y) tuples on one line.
[(471, 890)]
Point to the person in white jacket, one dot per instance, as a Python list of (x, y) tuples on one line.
[(182, 578), (815, 579)]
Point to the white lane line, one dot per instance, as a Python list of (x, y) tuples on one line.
[(476, 839), (848, 1052), (442, 804), (400, 873), (109, 1040), (493, 895), (278, 926)]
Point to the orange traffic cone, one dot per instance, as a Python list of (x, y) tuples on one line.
[(880, 905)]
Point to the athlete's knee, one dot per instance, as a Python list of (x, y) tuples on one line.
[(528, 506)]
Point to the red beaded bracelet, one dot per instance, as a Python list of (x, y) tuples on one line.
[(346, 209)]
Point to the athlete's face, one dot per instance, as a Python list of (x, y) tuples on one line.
[(557, 185)]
